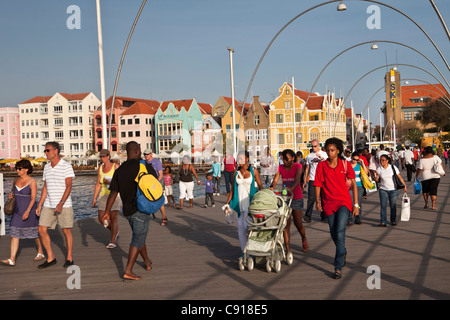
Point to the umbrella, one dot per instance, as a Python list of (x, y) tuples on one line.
[(8, 160)]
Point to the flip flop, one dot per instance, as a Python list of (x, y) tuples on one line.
[(39, 256), (111, 246), (131, 277), (164, 222), (9, 263)]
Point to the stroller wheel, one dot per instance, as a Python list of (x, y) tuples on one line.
[(250, 264), (277, 265), (289, 258), (268, 265), (241, 264)]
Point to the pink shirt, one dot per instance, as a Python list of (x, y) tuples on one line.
[(288, 177)]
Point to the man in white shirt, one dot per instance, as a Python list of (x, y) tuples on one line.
[(267, 167), (409, 163), (56, 202), (312, 160)]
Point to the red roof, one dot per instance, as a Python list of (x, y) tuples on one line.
[(205, 108), (68, 96), (421, 91), (315, 100), (139, 108), (120, 101)]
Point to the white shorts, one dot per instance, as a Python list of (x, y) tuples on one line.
[(168, 190), (187, 188)]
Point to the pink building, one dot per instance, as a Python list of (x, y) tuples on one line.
[(9, 133)]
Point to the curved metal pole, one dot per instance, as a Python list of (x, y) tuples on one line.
[(440, 18), (319, 5), (120, 68)]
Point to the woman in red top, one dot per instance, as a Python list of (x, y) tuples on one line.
[(331, 187), (291, 173)]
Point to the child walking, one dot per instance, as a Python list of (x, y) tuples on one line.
[(168, 185), (210, 188)]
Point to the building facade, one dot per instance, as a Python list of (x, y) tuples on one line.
[(256, 126), (65, 118), (9, 133), (293, 125)]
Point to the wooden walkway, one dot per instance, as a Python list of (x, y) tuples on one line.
[(195, 258)]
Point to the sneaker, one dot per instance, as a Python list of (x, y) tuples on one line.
[(205, 206), (213, 206)]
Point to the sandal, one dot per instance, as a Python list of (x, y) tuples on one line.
[(7, 263), (164, 222), (337, 275), (111, 246), (39, 256)]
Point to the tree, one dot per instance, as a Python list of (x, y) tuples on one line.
[(437, 113)]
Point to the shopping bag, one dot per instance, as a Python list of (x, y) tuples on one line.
[(365, 180), (417, 186), (406, 208), (374, 187)]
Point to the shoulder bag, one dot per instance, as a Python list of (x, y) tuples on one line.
[(348, 182), (10, 204), (437, 167), (398, 184)]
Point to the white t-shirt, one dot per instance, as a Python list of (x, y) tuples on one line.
[(426, 165), (386, 176), (409, 157), (55, 180), (380, 153), (312, 160)]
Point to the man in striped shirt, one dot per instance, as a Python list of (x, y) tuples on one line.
[(56, 203)]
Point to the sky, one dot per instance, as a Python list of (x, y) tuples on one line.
[(179, 48)]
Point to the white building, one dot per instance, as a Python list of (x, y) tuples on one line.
[(65, 118)]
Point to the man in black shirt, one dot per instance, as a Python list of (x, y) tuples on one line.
[(123, 182)]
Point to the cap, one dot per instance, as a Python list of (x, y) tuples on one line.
[(104, 153), (148, 151)]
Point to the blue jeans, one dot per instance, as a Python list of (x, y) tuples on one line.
[(229, 180), (360, 195), (139, 226), (338, 223), (392, 195)]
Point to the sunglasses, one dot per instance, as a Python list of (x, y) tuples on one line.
[(19, 168), (315, 146), (48, 150), (355, 159)]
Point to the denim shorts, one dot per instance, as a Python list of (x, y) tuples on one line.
[(297, 204), (139, 226)]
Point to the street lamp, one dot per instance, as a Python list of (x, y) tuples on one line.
[(230, 50), (341, 6)]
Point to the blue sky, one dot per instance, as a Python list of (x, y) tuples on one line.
[(179, 48)]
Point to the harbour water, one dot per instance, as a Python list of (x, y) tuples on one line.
[(83, 191)]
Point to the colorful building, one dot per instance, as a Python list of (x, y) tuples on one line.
[(292, 126), (174, 122), (9, 133), (256, 124)]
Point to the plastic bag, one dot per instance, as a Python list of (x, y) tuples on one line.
[(417, 186), (229, 214), (406, 208)]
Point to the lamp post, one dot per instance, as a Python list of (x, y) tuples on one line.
[(230, 50), (102, 73), (440, 18)]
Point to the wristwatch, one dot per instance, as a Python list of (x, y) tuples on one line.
[(356, 205)]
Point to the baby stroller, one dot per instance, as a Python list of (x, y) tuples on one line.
[(267, 218)]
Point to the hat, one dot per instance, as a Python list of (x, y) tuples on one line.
[(148, 151), (104, 153)]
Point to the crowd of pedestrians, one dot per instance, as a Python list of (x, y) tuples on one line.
[(329, 176)]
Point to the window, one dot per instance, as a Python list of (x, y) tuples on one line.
[(279, 118), (56, 109), (264, 134), (280, 138), (256, 134), (130, 121), (408, 115), (298, 117), (249, 135), (256, 119), (287, 104), (136, 121), (59, 135), (130, 134)]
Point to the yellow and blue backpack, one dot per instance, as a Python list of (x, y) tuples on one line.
[(150, 193)]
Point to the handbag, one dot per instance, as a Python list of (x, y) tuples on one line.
[(10, 204), (398, 184), (406, 208), (348, 182), (437, 167)]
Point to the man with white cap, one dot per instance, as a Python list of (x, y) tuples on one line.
[(157, 165)]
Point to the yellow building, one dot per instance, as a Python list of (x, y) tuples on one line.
[(293, 127)]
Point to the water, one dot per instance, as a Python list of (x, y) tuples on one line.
[(83, 191)]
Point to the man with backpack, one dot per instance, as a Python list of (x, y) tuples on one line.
[(123, 182)]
